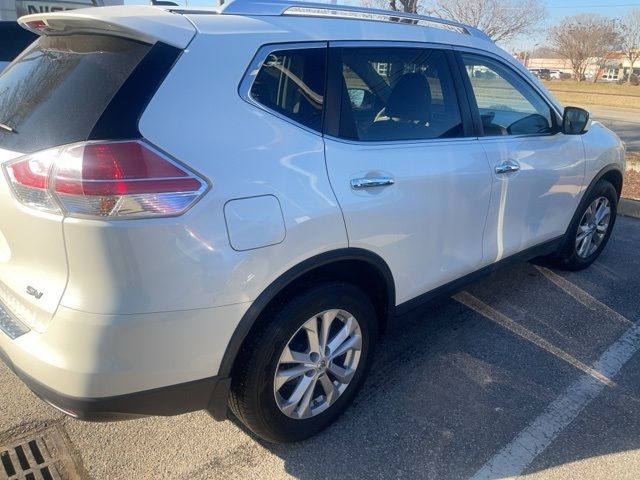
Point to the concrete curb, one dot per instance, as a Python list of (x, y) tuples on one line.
[(629, 208)]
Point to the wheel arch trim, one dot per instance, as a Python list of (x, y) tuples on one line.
[(585, 196), (250, 317)]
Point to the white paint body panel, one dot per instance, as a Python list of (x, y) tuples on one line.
[(428, 225), (91, 356), (254, 222), (536, 203), (602, 148), (141, 304), (32, 253)]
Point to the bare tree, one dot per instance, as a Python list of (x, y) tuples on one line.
[(629, 28), (500, 19), (409, 6), (584, 39)]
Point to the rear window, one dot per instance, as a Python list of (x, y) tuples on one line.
[(55, 92), (14, 40)]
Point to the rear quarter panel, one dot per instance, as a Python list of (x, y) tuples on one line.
[(187, 262), (32, 256)]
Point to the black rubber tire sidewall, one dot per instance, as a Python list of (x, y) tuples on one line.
[(258, 409), (568, 258)]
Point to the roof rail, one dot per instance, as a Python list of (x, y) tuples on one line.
[(311, 9)]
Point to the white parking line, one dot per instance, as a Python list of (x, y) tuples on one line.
[(514, 458), (581, 296), (501, 319)]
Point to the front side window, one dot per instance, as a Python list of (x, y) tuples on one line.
[(291, 82), (507, 104), (397, 94)]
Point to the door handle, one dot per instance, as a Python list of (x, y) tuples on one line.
[(509, 166), (369, 182)]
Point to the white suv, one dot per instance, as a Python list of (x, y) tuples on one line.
[(202, 208)]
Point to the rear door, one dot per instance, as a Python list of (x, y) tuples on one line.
[(537, 170), (413, 182), (52, 94)]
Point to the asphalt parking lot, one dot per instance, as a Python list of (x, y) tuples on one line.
[(530, 372)]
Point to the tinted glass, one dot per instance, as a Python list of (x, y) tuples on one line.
[(291, 82), (13, 40), (398, 94), (507, 104), (57, 89)]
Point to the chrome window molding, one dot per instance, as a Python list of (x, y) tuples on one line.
[(249, 77)]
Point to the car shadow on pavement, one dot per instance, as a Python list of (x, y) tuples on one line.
[(452, 385)]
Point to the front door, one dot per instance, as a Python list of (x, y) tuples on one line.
[(537, 170), (413, 187)]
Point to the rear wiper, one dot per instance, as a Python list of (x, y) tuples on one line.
[(7, 128)]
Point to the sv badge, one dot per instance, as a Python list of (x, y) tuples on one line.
[(34, 293)]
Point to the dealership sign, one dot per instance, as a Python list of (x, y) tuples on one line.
[(26, 7), (29, 7)]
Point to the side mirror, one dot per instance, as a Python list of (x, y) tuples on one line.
[(574, 121)]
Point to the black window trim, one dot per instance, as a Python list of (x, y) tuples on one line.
[(333, 97), (473, 105), (244, 89)]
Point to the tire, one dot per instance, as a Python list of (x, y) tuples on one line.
[(265, 406), (574, 255)]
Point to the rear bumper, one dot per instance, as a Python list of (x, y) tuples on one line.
[(108, 367), (206, 394)]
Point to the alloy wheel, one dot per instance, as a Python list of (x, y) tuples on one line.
[(593, 227), (317, 364)]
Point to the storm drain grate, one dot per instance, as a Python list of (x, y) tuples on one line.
[(40, 456)]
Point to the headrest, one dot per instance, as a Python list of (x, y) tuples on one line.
[(410, 99)]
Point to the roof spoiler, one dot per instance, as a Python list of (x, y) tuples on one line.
[(146, 24)]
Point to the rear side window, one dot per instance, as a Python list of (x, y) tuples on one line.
[(291, 82), (55, 92), (398, 94)]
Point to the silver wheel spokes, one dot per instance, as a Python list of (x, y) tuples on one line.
[(593, 227), (317, 364)]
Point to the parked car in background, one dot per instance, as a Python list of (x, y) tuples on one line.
[(544, 74), (555, 75), (186, 229)]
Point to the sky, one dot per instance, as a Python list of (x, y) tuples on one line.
[(556, 10)]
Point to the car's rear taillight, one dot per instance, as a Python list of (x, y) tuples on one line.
[(122, 179)]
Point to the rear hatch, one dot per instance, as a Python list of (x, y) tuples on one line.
[(53, 94)]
